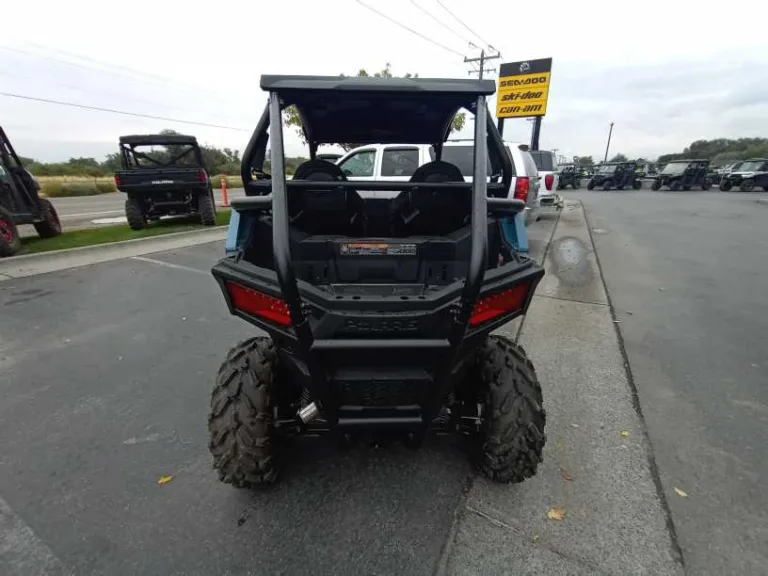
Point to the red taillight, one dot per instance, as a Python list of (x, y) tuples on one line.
[(522, 187), (549, 179), (117, 180), (491, 307), (258, 304), (203, 175)]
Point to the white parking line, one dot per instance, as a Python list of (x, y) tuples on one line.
[(170, 265), (87, 214), (21, 550)]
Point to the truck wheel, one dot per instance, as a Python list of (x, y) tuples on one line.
[(207, 209), (747, 185), (512, 436), (725, 186), (50, 226), (241, 422), (134, 212), (10, 241), (656, 185)]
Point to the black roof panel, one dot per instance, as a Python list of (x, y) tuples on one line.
[(336, 109), (158, 139)]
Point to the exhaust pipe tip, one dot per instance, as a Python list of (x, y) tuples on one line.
[(308, 413)]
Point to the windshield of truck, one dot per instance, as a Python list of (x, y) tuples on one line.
[(545, 161), (607, 169), (751, 167), (675, 168)]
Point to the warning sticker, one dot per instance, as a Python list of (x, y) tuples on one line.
[(377, 249)]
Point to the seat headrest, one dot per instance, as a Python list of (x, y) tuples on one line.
[(319, 170)]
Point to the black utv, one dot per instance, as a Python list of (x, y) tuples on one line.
[(20, 202), (747, 176), (615, 175), (168, 181), (684, 175), (378, 311), (570, 175)]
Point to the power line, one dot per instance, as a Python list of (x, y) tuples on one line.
[(411, 30), (433, 17), (460, 21), (123, 112)]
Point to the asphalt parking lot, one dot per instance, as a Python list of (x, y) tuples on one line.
[(107, 371)]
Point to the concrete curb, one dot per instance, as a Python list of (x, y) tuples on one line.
[(45, 262)]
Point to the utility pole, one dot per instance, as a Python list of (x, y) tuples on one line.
[(482, 59), (610, 131)]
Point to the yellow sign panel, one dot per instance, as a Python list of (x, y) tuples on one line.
[(523, 88)]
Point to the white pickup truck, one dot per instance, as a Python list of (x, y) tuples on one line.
[(400, 161)]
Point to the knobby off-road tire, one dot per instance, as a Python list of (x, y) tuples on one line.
[(747, 185), (656, 185), (207, 209), (50, 226), (10, 241), (241, 421), (134, 213), (512, 437)]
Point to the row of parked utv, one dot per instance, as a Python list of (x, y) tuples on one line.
[(676, 175)]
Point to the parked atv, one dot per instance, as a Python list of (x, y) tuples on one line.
[(20, 202), (684, 175), (166, 182), (570, 175), (615, 175), (747, 176), (378, 311)]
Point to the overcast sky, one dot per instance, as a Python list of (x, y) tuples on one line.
[(666, 73)]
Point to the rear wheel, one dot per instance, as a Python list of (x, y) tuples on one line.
[(747, 185), (675, 186), (207, 209), (636, 185), (590, 185), (706, 185), (134, 213), (10, 241), (512, 436), (50, 225), (576, 184), (607, 186), (725, 186), (242, 435), (656, 185)]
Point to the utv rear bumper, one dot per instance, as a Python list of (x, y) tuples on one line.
[(376, 354)]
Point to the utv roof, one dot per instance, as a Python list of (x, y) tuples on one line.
[(159, 139), (689, 160), (367, 110)]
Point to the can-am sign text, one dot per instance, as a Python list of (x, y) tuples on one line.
[(523, 88)]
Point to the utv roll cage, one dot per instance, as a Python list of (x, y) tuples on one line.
[(366, 111), (130, 156)]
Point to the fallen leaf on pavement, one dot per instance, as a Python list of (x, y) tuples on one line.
[(535, 538), (617, 321), (164, 480), (629, 313), (681, 493), (566, 475), (557, 513), (624, 434), (575, 425)]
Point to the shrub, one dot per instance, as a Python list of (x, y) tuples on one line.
[(106, 186)]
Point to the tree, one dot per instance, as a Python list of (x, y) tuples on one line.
[(586, 160), (721, 150), (292, 118), (619, 158)]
